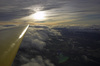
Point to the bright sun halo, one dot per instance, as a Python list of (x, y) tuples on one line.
[(39, 15)]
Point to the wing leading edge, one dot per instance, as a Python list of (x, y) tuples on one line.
[(10, 40)]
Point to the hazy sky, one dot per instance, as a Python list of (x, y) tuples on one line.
[(56, 11)]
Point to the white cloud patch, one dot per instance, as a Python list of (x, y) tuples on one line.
[(37, 35), (38, 61)]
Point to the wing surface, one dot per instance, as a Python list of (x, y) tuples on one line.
[(10, 40)]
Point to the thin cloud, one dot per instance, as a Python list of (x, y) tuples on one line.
[(16, 9)]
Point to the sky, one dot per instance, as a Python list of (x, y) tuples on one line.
[(49, 12)]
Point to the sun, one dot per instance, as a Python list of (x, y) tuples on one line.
[(39, 15)]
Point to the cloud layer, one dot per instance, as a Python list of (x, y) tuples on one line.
[(37, 35), (33, 43), (45, 45), (39, 61), (57, 10)]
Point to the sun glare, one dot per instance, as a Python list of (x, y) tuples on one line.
[(39, 15)]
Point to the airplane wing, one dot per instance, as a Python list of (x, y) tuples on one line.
[(10, 40)]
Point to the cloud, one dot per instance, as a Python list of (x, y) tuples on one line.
[(37, 35), (14, 9), (4, 16), (6, 26), (57, 10), (39, 44), (30, 51), (54, 4), (38, 61), (33, 52)]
